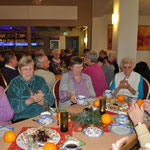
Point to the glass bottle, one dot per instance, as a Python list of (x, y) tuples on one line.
[(64, 122)]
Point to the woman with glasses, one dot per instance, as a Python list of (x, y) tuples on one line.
[(75, 83), (28, 93)]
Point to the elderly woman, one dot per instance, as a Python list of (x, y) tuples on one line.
[(128, 82), (28, 93), (6, 112), (75, 83), (55, 64), (96, 73)]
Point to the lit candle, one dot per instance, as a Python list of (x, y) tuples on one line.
[(102, 106)]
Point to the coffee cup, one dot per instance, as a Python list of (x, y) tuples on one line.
[(108, 93), (81, 99), (133, 99), (122, 116), (71, 145)]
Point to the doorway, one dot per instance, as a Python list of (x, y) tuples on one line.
[(72, 42)]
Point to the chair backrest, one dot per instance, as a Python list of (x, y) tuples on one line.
[(146, 88), (56, 92), (3, 82)]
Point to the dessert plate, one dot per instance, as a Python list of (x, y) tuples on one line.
[(22, 138), (4, 128), (121, 129), (93, 132), (42, 121)]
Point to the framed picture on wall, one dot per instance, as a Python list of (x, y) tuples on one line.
[(143, 42), (54, 44), (143, 39)]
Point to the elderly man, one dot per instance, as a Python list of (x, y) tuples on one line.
[(10, 71), (42, 65)]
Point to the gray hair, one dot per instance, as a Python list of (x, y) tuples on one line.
[(24, 61), (93, 56), (38, 59), (127, 60)]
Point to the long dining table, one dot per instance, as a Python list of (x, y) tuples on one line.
[(101, 143)]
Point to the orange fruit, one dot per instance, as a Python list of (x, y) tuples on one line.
[(96, 103), (9, 136), (49, 146), (139, 102), (58, 116), (106, 119), (120, 98), (125, 110), (58, 77)]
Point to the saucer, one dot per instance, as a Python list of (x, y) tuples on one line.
[(121, 121), (121, 129), (42, 121), (93, 132)]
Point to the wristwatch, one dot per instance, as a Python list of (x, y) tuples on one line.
[(139, 123)]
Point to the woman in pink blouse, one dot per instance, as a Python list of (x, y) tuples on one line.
[(6, 112)]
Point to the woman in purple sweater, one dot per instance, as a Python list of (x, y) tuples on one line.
[(6, 112)]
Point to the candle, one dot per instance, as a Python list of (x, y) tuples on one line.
[(64, 121), (102, 106)]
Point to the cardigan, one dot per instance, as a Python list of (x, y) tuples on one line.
[(135, 80), (6, 112), (19, 91), (67, 84)]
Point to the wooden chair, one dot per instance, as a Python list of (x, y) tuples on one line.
[(56, 92), (3, 82), (146, 88)]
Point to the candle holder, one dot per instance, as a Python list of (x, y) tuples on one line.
[(64, 121), (102, 106)]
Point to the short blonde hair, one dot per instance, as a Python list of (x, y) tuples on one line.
[(127, 60), (24, 61), (113, 54)]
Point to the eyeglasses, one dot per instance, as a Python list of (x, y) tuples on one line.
[(27, 69)]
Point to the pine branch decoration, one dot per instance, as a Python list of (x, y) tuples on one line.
[(87, 118)]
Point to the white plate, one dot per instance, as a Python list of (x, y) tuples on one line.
[(44, 122), (4, 128), (93, 132), (84, 103), (121, 129), (121, 121), (21, 141)]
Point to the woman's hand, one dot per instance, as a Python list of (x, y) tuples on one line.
[(72, 97), (139, 111)]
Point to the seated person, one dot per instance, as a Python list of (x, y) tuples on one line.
[(68, 57), (55, 64), (112, 58), (28, 93), (10, 71), (128, 82), (6, 112), (75, 83), (96, 73), (1, 60), (108, 70), (143, 69), (42, 65)]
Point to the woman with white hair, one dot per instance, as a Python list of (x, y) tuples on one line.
[(55, 64), (28, 93), (128, 82)]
